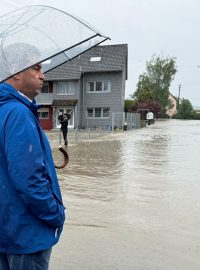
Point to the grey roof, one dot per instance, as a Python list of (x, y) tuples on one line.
[(67, 71), (113, 58)]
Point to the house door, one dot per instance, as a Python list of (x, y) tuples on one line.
[(70, 111)]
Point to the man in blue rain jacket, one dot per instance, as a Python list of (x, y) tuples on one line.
[(31, 209)]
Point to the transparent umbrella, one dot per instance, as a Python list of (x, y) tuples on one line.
[(42, 34)]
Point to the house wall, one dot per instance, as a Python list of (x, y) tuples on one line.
[(47, 124), (76, 95), (80, 106), (123, 88), (113, 99), (172, 111), (43, 98)]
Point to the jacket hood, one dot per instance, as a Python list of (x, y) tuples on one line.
[(10, 94)]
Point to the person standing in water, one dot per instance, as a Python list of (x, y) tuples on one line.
[(64, 118)]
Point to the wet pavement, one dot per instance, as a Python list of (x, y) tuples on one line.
[(132, 200)]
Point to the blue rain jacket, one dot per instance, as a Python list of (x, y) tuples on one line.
[(31, 209)]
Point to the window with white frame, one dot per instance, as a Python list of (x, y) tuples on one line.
[(65, 87), (98, 86), (43, 113), (90, 113), (98, 112), (106, 112), (90, 86)]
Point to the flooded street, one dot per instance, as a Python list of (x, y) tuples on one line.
[(133, 201)]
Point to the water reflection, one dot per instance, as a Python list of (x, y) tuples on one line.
[(95, 159), (147, 152), (93, 170)]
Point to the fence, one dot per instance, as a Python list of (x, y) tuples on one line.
[(75, 135), (118, 122), (128, 121)]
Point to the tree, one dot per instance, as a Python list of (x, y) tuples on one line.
[(146, 106), (185, 110), (154, 84), (144, 91), (127, 104)]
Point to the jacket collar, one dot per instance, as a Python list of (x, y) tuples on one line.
[(11, 94)]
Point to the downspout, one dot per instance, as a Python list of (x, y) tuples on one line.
[(83, 101)]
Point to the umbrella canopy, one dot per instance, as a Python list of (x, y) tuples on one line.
[(42, 34)]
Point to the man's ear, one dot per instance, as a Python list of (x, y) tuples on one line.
[(16, 76)]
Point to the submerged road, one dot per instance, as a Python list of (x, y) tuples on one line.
[(133, 201)]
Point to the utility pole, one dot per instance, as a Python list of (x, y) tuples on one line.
[(179, 91)]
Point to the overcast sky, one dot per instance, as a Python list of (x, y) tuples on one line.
[(161, 27)]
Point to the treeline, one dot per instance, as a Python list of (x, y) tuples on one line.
[(186, 111), (152, 91)]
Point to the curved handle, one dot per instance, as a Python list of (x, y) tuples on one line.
[(66, 158)]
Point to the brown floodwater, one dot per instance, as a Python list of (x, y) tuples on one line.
[(145, 182)]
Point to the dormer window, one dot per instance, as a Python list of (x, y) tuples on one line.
[(95, 59)]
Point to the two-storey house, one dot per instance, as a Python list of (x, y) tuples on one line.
[(90, 88)]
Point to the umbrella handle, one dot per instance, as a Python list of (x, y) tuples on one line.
[(66, 158)]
